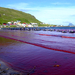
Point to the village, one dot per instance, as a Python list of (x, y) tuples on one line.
[(18, 24)]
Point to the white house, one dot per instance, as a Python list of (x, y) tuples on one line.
[(34, 24)]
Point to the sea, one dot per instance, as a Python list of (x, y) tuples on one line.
[(43, 52)]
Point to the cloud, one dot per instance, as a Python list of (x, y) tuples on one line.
[(73, 15), (55, 15), (66, 22), (18, 5), (52, 15), (58, 3), (22, 7)]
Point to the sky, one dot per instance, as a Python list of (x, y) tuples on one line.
[(58, 12)]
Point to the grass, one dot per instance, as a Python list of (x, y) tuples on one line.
[(46, 25), (7, 15), (11, 26)]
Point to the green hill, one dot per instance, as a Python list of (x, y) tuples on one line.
[(7, 15)]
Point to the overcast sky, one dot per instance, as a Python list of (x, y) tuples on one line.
[(48, 11)]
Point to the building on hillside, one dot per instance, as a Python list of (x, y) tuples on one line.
[(1, 26), (29, 25), (9, 23), (4, 23), (42, 23), (23, 25), (34, 24), (14, 23)]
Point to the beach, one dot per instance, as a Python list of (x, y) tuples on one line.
[(5, 70), (38, 52)]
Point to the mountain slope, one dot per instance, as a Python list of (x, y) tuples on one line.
[(70, 24), (7, 15)]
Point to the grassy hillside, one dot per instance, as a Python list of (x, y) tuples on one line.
[(7, 15)]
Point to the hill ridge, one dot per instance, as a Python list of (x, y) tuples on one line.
[(7, 14)]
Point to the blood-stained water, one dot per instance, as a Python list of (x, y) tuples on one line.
[(38, 52)]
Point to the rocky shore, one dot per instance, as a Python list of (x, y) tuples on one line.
[(5, 70)]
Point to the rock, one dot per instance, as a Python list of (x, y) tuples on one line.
[(64, 31), (4, 71), (57, 65), (71, 31), (1, 74)]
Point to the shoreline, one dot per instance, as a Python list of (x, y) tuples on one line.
[(5, 70)]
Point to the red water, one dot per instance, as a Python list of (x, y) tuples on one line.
[(31, 52)]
